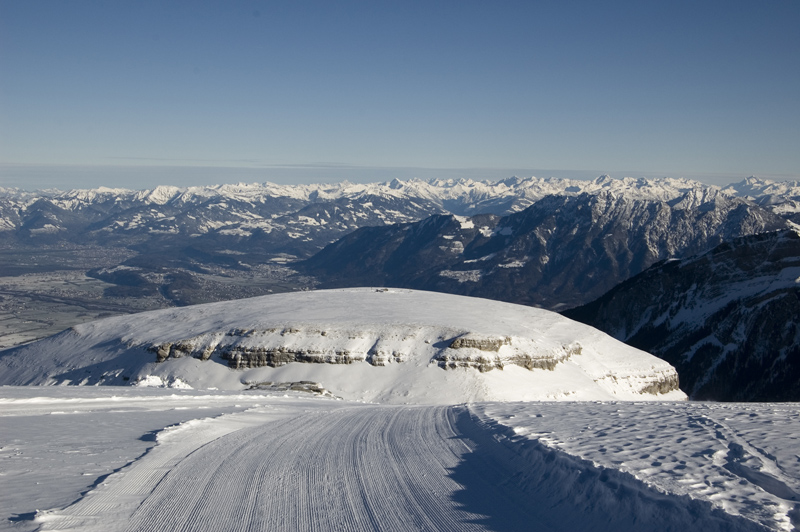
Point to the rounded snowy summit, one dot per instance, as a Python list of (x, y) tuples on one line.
[(383, 345)]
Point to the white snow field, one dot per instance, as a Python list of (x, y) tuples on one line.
[(366, 409), (379, 345), (118, 459)]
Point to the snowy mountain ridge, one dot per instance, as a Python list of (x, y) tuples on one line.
[(781, 197), (561, 251), (463, 196), (296, 221), (726, 319)]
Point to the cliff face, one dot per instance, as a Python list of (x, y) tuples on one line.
[(447, 348), (728, 320)]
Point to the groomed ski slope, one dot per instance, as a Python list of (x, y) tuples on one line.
[(289, 463)]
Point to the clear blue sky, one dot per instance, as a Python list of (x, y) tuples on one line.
[(137, 92)]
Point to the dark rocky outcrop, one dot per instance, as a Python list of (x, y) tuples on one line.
[(311, 387), (250, 348)]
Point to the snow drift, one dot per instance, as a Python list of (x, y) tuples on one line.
[(395, 346)]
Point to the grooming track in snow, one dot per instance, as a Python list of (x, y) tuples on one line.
[(367, 467), (359, 468)]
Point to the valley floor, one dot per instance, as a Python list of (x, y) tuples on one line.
[(105, 458), (36, 305)]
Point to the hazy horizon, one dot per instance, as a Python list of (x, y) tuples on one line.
[(43, 177)]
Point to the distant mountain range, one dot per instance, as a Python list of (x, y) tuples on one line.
[(296, 221), (781, 197)]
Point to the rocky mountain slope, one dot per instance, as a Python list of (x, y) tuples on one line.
[(560, 252), (376, 345), (728, 319)]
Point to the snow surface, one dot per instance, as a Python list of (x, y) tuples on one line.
[(389, 346), (126, 458), (741, 457)]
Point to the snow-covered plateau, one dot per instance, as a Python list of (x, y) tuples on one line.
[(367, 344)]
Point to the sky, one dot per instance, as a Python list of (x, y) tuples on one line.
[(142, 93)]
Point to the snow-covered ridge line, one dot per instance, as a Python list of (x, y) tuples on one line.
[(530, 188)]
